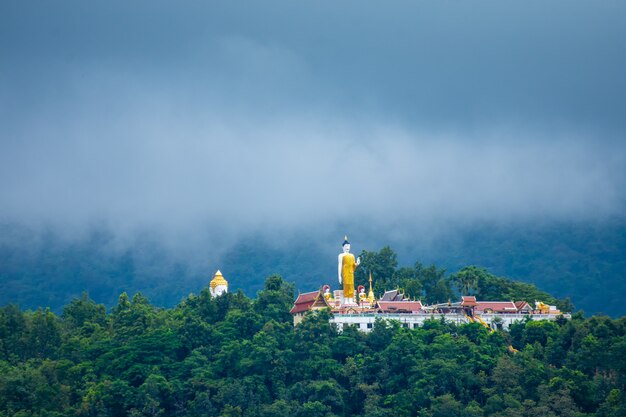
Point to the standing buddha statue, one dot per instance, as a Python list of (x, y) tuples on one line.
[(346, 267)]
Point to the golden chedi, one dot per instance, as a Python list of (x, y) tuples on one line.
[(218, 284)]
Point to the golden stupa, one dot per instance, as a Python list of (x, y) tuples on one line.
[(218, 279), (370, 296)]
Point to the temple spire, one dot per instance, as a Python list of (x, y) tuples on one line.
[(370, 295)]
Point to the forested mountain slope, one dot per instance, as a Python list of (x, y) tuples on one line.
[(236, 356), (584, 262)]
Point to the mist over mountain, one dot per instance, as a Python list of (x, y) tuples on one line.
[(582, 261), (143, 146)]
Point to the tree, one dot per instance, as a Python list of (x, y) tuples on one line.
[(83, 310), (130, 319), (153, 395), (446, 406), (466, 280), (313, 409), (275, 300), (409, 282), (436, 286), (279, 408), (44, 334), (12, 332), (107, 398), (614, 405), (382, 265), (440, 293)]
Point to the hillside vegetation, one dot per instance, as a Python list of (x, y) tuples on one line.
[(236, 356)]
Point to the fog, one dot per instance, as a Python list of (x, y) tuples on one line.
[(222, 120)]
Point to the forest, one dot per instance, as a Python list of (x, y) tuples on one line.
[(240, 356)]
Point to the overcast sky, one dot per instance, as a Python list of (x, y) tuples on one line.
[(282, 114)]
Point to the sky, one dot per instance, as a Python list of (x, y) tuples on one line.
[(267, 116)]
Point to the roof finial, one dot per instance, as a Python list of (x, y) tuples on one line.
[(370, 295)]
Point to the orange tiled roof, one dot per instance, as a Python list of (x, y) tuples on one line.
[(412, 306), (304, 302), (468, 301), (497, 306)]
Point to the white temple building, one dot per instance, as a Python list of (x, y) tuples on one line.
[(494, 315)]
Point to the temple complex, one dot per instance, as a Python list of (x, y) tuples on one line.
[(364, 309), (495, 315)]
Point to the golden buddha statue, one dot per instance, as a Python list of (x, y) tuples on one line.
[(327, 294), (362, 295), (346, 267)]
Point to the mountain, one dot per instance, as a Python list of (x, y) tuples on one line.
[(586, 262)]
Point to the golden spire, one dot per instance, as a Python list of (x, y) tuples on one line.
[(218, 279), (370, 296)]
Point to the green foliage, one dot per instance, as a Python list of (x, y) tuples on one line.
[(276, 299), (382, 265), (418, 282), (13, 328), (82, 312), (430, 284), (233, 356), (44, 336), (486, 286)]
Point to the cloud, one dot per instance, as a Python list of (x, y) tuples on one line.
[(148, 162), (226, 121)]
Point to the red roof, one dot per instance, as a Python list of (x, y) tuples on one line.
[(400, 305), (304, 302), (496, 306), (468, 301), (522, 305)]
